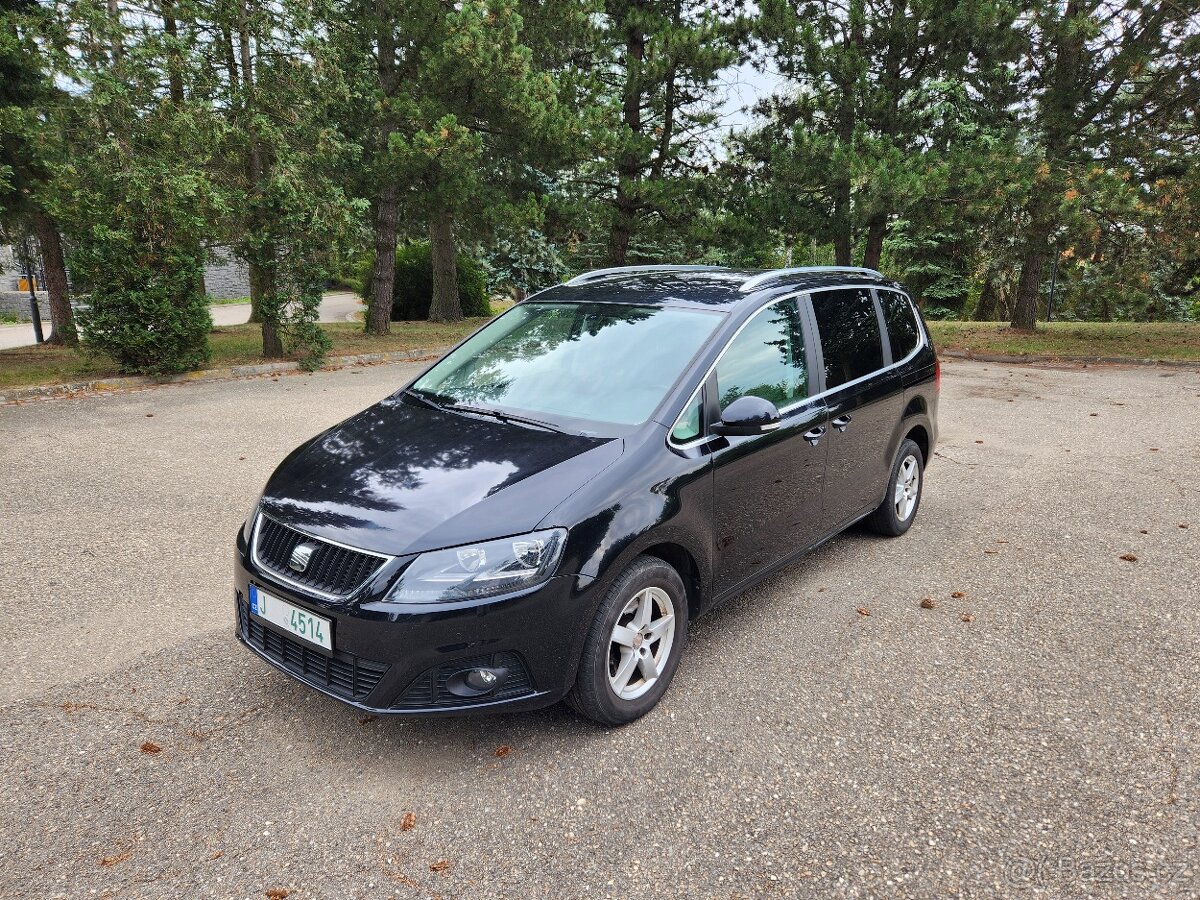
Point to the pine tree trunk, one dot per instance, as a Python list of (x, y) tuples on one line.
[(620, 231), (387, 204), (262, 288), (985, 309), (62, 317), (446, 305), (876, 232), (629, 165), (1025, 308), (383, 280)]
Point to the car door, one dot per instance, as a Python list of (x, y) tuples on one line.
[(767, 488), (864, 398)]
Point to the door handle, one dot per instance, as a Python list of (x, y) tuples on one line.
[(813, 435), (841, 423)]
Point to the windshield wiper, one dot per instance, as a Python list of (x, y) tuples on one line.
[(425, 398), (505, 417)]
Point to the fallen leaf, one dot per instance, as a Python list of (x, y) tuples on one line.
[(276, 893), (217, 854), (958, 595), (1183, 524), (503, 750), (927, 603), (149, 415), (1128, 557), (442, 865), (822, 590), (1143, 531), (149, 748), (863, 611), (367, 720), (979, 442), (991, 552), (967, 617), (110, 861), (1153, 449), (409, 822), (1093, 414)]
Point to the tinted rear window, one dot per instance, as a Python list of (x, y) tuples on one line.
[(901, 319), (849, 330)]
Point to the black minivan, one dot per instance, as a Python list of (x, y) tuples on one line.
[(540, 514)]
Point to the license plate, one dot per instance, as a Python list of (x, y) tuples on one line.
[(292, 619)]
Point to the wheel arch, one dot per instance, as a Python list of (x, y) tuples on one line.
[(681, 560)]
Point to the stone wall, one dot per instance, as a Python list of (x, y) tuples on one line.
[(226, 276), (16, 303)]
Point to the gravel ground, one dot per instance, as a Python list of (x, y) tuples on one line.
[(1033, 733)]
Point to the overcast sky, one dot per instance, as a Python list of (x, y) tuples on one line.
[(743, 88)]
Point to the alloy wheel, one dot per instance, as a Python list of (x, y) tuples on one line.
[(908, 488), (640, 644)]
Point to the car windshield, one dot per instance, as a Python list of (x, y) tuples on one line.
[(600, 362)]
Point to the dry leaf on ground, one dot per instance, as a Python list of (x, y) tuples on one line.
[(149, 747), (927, 603), (409, 822)]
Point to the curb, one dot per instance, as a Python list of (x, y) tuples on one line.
[(1075, 360), (141, 382)]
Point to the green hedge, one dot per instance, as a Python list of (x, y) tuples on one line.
[(413, 290)]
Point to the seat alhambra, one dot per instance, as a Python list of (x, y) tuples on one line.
[(543, 512)]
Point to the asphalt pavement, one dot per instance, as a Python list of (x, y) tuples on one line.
[(1034, 733)]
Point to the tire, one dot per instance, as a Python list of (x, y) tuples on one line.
[(895, 516), (605, 660)]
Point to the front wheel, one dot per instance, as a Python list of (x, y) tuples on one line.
[(633, 647), (895, 515)]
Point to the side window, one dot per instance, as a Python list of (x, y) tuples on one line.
[(901, 319), (850, 339), (766, 359), (687, 426)]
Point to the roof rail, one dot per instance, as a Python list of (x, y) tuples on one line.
[(762, 278), (598, 274)]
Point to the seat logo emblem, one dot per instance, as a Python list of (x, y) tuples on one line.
[(301, 557)]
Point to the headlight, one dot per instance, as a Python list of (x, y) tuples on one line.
[(480, 570), (248, 525)]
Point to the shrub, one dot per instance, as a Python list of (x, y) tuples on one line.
[(412, 293)]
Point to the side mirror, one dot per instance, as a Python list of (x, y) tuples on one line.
[(748, 415)]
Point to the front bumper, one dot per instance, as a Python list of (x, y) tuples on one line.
[(395, 659)]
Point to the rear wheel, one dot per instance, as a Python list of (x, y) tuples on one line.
[(895, 515), (634, 644)]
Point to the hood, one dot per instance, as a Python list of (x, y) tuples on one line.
[(402, 477)]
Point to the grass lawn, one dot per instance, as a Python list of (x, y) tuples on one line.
[(236, 345), (1159, 340), (232, 345)]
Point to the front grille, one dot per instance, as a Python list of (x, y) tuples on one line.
[(429, 689), (343, 674), (332, 570)]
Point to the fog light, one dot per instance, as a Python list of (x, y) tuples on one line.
[(475, 682)]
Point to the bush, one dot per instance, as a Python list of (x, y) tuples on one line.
[(147, 310), (412, 293)]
